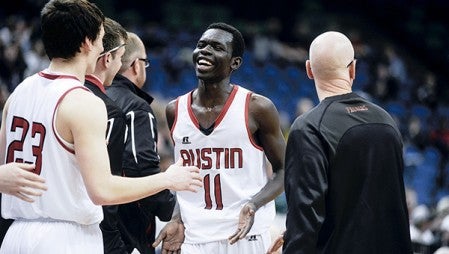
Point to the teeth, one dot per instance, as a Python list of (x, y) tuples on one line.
[(204, 62)]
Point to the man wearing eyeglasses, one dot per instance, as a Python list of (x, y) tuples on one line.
[(107, 66), (140, 156)]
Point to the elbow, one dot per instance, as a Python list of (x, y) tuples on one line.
[(101, 199), (101, 193)]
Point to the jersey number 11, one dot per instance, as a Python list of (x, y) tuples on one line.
[(217, 192)]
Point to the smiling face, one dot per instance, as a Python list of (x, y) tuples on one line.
[(212, 56)]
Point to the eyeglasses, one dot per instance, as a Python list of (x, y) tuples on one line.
[(147, 62), (112, 50)]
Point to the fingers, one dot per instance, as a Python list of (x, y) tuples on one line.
[(159, 238), (23, 197), (197, 180), (239, 234), (179, 162), (30, 191), (33, 177), (170, 250), (25, 166), (35, 183), (276, 246), (193, 169), (235, 237), (197, 183)]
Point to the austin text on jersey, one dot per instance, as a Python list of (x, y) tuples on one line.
[(205, 158)]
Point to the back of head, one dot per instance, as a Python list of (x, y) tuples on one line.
[(65, 25), (330, 55), (238, 43), (133, 49), (114, 34)]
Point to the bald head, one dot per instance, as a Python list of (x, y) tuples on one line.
[(134, 49), (134, 60), (329, 55)]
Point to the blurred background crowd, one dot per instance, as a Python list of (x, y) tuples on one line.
[(402, 52)]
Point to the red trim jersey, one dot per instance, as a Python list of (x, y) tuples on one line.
[(233, 168), (31, 137)]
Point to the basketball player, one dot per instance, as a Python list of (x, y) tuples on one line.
[(344, 165), (53, 121), (229, 132), (107, 66)]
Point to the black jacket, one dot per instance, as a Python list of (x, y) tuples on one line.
[(343, 181), (112, 239), (140, 159)]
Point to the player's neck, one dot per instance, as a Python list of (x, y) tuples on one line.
[(68, 67), (212, 95)]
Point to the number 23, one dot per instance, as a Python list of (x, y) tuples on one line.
[(17, 145)]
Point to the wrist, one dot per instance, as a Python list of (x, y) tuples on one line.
[(252, 206), (176, 219)]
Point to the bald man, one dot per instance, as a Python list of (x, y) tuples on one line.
[(343, 178)]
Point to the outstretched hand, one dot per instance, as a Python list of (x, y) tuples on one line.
[(246, 220), (17, 180), (184, 178), (171, 236)]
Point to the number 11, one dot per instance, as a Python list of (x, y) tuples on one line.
[(217, 192)]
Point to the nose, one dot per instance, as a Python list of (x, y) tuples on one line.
[(206, 49)]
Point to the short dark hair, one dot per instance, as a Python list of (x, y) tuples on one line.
[(65, 25), (113, 32), (238, 43)]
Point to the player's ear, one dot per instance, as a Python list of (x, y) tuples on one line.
[(309, 69), (87, 45), (102, 60), (236, 62), (352, 69)]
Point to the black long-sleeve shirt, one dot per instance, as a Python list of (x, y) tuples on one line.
[(140, 159), (343, 181), (112, 239)]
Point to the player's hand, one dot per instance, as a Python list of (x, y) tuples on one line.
[(17, 180), (184, 178), (275, 247), (172, 236), (246, 220)]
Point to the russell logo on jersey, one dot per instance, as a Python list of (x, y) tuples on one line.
[(185, 140)]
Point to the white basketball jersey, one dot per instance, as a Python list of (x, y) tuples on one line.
[(233, 168), (31, 137)]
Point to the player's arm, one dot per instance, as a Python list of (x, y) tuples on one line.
[(170, 110), (269, 135), (84, 115), (265, 127)]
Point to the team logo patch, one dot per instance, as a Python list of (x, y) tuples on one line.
[(252, 238), (185, 140)]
